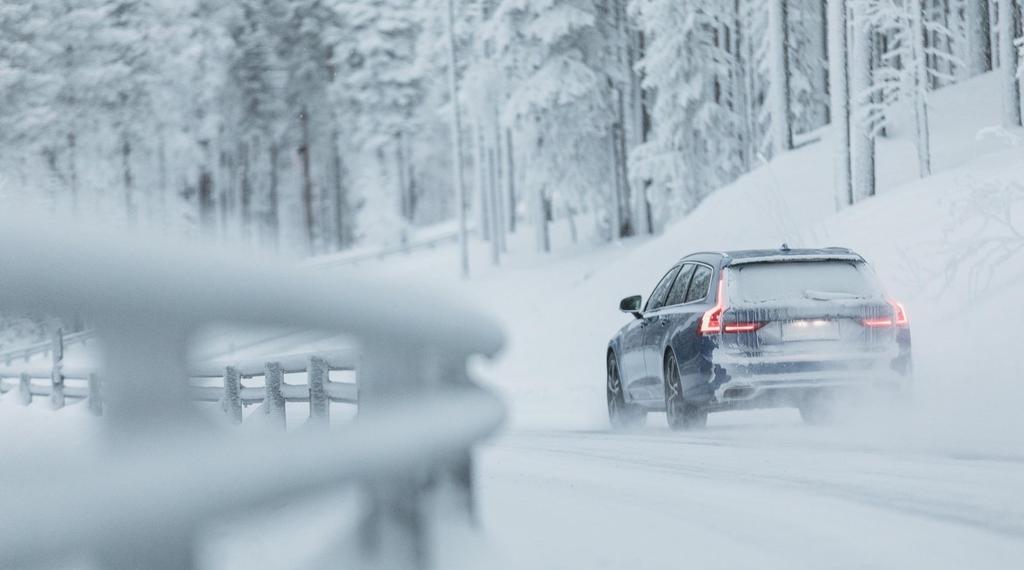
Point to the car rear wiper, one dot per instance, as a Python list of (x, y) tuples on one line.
[(829, 295)]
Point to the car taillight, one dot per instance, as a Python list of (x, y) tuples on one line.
[(711, 322), (898, 319), (901, 314), (741, 327)]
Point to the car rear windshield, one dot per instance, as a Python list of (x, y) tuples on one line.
[(821, 280)]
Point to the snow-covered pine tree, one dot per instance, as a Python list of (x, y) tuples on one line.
[(905, 75), (381, 90), (808, 69), (559, 59), (694, 147), (255, 112)]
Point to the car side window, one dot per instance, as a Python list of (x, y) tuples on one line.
[(678, 292), (657, 298), (700, 284)]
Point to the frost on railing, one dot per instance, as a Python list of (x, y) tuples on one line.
[(166, 471), (211, 381)]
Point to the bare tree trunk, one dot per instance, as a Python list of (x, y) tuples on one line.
[(495, 208), (510, 179), (782, 128), (573, 233), (400, 171), (162, 174), (340, 198), (498, 173), (204, 191), (307, 184), (1009, 23), (863, 143), (819, 56), (624, 228), (546, 215), (993, 31), (881, 46), (129, 180), (483, 203), (740, 94), (540, 207), (456, 134), (642, 207), (272, 223), (73, 171), (920, 96), (245, 148), (840, 93), (620, 143), (226, 190), (978, 37)]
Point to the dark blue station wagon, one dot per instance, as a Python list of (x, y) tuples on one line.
[(756, 329)]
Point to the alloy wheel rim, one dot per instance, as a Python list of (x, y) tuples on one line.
[(671, 389), (614, 388)]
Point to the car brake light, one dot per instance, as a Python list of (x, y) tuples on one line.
[(898, 319), (742, 327), (901, 314), (711, 322)]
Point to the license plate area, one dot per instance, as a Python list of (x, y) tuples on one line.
[(810, 329)]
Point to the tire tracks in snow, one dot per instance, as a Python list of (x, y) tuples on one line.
[(982, 492)]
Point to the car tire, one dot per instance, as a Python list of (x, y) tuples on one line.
[(681, 415), (621, 415)]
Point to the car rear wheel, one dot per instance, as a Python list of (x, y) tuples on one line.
[(681, 414), (620, 414)]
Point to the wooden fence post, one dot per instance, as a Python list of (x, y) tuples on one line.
[(24, 389), (273, 403), (231, 401), (317, 374), (95, 402), (57, 374)]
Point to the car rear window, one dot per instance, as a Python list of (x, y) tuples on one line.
[(822, 280)]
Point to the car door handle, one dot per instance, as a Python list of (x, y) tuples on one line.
[(664, 323)]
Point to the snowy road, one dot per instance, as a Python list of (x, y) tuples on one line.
[(771, 494)]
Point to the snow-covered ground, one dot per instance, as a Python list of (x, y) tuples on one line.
[(940, 487), (937, 488)]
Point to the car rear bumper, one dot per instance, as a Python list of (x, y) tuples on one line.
[(791, 389), (764, 382)]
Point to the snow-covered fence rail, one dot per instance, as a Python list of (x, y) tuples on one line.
[(27, 352), (164, 474), (212, 381)]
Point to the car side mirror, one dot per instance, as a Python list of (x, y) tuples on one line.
[(631, 305)]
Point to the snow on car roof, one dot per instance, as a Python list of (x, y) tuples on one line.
[(780, 255)]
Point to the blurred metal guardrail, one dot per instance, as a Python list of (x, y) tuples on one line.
[(165, 471)]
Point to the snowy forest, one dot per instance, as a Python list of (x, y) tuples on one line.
[(309, 126)]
